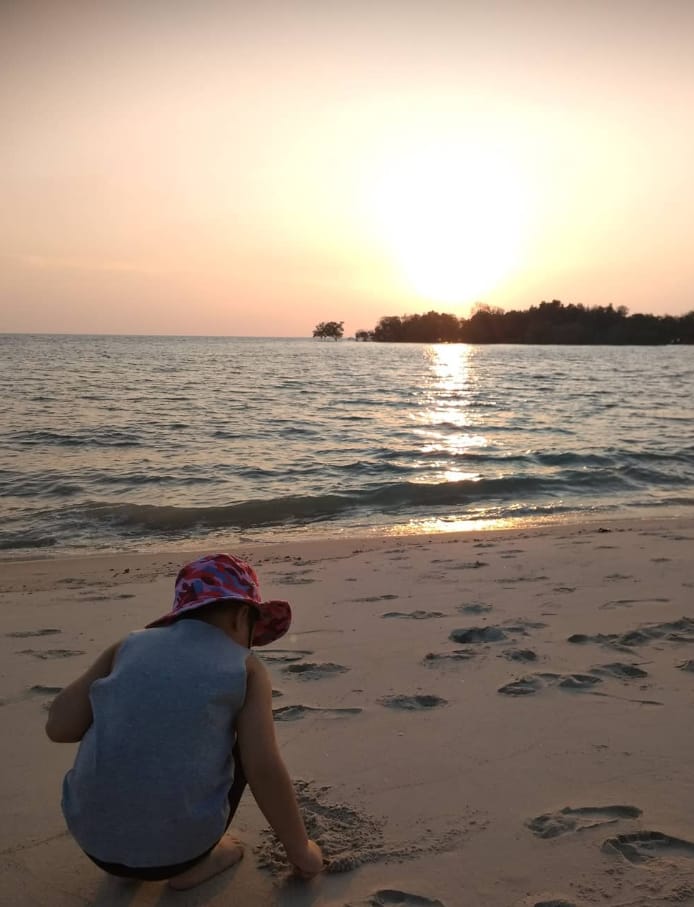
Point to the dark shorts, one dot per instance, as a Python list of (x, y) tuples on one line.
[(159, 873)]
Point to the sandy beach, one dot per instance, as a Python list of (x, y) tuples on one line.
[(498, 719)]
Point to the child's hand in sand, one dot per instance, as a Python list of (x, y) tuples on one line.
[(309, 863)]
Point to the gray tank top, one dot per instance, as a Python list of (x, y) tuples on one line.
[(152, 775)]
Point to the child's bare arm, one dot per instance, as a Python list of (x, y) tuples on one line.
[(70, 714), (267, 774)]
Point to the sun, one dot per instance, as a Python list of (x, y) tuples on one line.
[(452, 219)]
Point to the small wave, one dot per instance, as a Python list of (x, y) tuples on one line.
[(569, 458), (244, 515), (25, 540), (649, 476), (102, 438), (392, 498), (38, 487), (136, 479), (684, 455)]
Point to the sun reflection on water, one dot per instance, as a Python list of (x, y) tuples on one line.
[(444, 418), (434, 525)]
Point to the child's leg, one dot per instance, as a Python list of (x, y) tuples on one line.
[(223, 855)]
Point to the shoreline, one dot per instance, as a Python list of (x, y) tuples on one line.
[(380, 533), (472, 717)]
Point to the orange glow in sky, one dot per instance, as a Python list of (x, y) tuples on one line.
[(252, 169)]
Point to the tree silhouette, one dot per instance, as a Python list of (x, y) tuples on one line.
[(329, 329)]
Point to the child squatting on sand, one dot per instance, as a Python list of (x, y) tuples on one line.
[(173, 721)]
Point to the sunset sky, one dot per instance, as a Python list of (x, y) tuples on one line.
[(251, 168)]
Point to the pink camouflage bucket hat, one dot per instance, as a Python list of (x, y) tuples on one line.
[(223, 577)]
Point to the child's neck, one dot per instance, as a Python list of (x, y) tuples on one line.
[(229, 625)]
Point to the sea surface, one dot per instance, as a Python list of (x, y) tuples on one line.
[(132, 443)]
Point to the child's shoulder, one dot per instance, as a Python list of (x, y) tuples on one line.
[(257, 675), (255, 666)]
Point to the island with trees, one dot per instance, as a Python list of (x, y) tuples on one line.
[(549, 322)]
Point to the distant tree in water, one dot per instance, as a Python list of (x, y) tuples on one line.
[(329, 329), (548, 322)]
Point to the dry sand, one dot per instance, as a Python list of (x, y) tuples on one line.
[(482, 719)]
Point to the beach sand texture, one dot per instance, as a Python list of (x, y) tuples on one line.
[(499, 719)]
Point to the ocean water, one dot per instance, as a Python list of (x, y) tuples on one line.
[(122, 443)]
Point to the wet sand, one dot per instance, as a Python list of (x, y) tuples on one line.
[(498, 719)]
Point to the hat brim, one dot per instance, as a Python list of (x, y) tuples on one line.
[(274, 619)]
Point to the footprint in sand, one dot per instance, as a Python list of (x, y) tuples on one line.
[(524, 686), (25, 634), (475, 608), (412, 703), (296, 712), (533, 683), (51, 653), (521, 626), (41, 690), (311, 671), (376, 598), (628, 602), (471, 565), (492, 633), (414, 615), (620, 670), (75, 581), (292, 579), (570, 819), (390, 897), (520, 654), (602, 639), (681, 630), (649, 847), (435, 658), (468, 635), (37, 690), (283, 656), (576, 681), (107, 597)]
